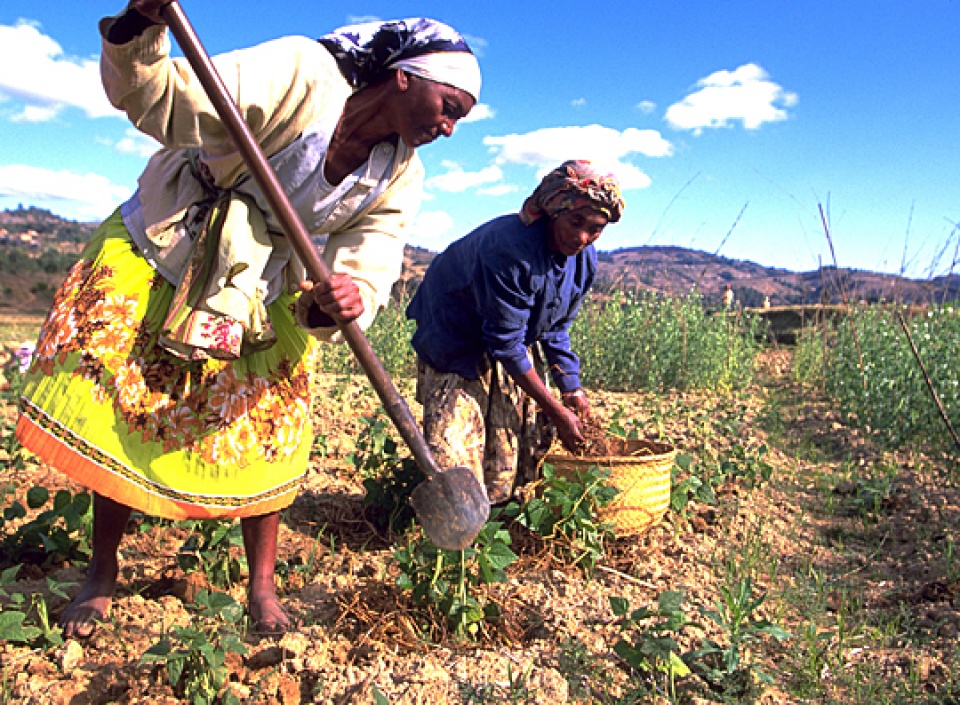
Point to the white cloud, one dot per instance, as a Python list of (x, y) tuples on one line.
[(35, 73), (136, 143), (429, 227), (646, 106), (480, 111), (609, 149), (497, 190), (578, 102), (456, 180), (36, 113), (746, 95), (81, 196)]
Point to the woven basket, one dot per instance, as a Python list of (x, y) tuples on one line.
[(642, 476)]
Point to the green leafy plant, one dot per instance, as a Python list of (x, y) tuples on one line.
[(727, 666), (388, 479), (517, 683), (376, 450), (56, 534), (951, 569), (650, 646), (208, 548), (389, 336), (873, 494), (623, 427), (145, 523), (12, 615), (320, 447), (739, 462), (565, 515), (688, 487), (815, 650), (26, 619), (388, 495), (195, 656), (447, 580), (583, 671), (15, 381)]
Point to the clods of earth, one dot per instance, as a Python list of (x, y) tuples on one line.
[(800, 520)]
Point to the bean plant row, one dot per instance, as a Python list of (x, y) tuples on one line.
[(626, 342), (865, 362), (641, 340)]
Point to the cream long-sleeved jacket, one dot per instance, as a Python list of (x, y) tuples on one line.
[(282, 88)]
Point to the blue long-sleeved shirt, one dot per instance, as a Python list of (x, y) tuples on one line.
[(499, 290)]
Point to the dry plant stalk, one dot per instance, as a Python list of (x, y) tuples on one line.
[(933, 392), (843, 295), (736, 221)]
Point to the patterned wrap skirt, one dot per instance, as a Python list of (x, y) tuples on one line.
[(169, 437), (488, 424)]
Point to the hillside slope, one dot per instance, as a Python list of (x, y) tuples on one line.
[(665, 270)]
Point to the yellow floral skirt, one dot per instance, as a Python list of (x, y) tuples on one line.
[(173, 438)]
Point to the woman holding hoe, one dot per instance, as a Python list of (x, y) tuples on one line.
[(486, 304), (172, 375)]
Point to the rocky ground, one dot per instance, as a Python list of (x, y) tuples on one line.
[(852, 546)]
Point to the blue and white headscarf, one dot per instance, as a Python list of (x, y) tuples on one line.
[(421, 46)]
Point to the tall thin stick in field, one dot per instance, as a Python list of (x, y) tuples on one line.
[(663, 215), (953, 263), (938, 257), (843, 296), (820, 320), (903, 258), (723, 242), (933, 392)]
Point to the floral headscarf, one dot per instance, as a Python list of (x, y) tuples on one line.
[(574, 184), (421, 46)]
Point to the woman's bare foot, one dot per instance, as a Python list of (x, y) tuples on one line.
[(260, 542), (268, 615), (80, 617)]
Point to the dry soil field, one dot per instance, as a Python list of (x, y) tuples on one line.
[(853, 549)]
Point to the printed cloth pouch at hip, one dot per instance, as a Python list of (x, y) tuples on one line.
[(223, 316)]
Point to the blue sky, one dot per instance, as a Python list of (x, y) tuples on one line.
[(730, 123)]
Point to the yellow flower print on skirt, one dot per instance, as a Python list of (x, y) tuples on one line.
[(174, 438)]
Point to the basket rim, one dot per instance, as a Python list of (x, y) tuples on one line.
[(665, 450)]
